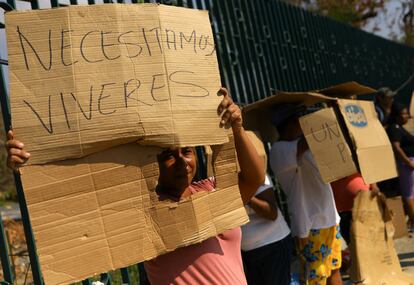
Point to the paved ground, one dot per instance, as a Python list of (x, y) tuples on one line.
[(404, 246), (405, 250)]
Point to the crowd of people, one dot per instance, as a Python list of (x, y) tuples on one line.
[(261, 251)]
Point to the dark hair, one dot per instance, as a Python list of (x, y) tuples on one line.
[(396, 109)]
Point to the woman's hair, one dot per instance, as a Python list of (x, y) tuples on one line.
[(396, 109)]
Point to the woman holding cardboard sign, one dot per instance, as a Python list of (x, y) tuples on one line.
[(403, 144), (216, 260)]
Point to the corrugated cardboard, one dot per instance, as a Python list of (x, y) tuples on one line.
[(395, 205), (328, 145), (374, 259), (373, 149), (85, 78), (344, 139), (324, 132), (257, 116), (100, 212)]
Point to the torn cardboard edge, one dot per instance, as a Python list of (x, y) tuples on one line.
[(100, 212), (310, 98), (257, 115), (374, 258)]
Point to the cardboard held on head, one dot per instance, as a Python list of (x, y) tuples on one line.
[(344, 139), (85, 78)]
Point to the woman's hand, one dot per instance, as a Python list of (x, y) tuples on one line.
[(16, 155), (229, 111)]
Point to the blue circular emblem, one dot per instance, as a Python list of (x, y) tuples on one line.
[(356, 115)]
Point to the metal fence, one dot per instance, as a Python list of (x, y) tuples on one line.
[(263, 46)]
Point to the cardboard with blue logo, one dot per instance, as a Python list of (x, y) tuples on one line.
[(348, 138), (345, 137)]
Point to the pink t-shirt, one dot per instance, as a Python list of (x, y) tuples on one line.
[(346, 189), (216, 260)]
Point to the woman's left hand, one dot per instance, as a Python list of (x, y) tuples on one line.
[(229, 111)]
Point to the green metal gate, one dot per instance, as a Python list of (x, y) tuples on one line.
[(263, 46)]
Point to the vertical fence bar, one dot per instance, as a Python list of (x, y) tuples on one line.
[(37, 276), (276, 47), (125, 276), (34, 4), (260, 49), (269, 46), (5, 261), (106, 278), (87, 282)]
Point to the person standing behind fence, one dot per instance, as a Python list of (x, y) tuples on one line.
[(310, 201), (403, 144), (383, 105), (266, 242)]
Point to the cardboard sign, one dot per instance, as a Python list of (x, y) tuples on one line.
[(101, 212), (395, 205), (257, 116), (373, 149), (85, 78), (328, 145), (343, 140), (374, 258)]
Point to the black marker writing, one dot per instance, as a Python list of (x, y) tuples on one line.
[(173, 78), (50, 128), (22, 37)]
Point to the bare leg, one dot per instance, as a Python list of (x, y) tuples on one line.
[(335, 278)]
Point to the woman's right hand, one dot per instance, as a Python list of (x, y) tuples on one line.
[(16, 155), (411, 164)]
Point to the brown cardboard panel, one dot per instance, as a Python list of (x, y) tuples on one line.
[(328, 145), (374, 258), (368, 139), (85, 78), (309, 98), (100, 212), (306, 98), (346, 90), (257, 116), (373, 148), (395, 205)]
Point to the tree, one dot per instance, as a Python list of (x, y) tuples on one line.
[(359, 13), (408, 22)]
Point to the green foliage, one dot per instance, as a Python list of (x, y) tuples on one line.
[(358, 12)]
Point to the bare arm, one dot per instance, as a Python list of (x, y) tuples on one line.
[(252, 172), (264, 204), (400, 154)]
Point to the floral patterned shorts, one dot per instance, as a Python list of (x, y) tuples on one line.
[(320, 254)]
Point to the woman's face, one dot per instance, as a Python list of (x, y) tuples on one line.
[(178, 167), (404, 116)]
